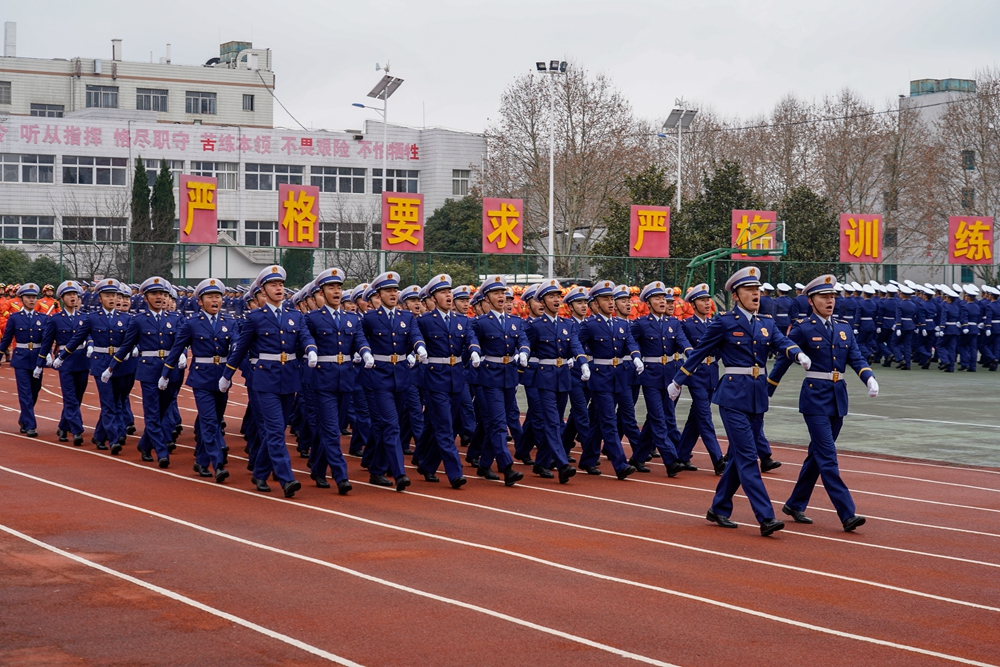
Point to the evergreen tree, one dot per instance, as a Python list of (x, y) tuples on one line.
[(164, 212), (298, 264), (456, 227), (140, 228), (705, 223)]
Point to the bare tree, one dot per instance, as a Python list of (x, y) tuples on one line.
[(95, 234)]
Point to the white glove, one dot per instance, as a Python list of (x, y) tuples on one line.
[(872, 387), (855, 332), (48, 359), (585, 371), (939, 334), (37, 373), (182, 362), (924, 332), (899, 332), (980, 325), (368, 359), (965, 330), (571, 362), (989, 332), (639, 366), (357, 358), (224, 384), (135, 352), (878, 329), (90, 351), (411, 360), (422, 354), (522, 359), (106, 375), (804, 360), (475, 359), (162, 383), (311, 358), (57, 363), (674, 391)]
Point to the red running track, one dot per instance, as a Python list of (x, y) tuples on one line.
[(111, 561)]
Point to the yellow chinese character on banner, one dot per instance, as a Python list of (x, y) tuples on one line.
[(201, 196), (971, 242), (299, 220), (504, 223), (753, 234), (863, 237), (403, 220), (650, 221)]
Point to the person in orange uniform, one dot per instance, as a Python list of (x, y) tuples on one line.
[(47, 305)]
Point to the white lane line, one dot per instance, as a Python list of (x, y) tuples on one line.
[(534, 559), (339, 568), (291, 641), (864, 457)]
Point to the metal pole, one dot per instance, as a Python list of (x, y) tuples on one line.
[(679, 144), (385, 159), (552, 171)]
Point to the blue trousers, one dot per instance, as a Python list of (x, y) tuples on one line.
[(73, 385), (605, 419), (968, 347), (111, 423), (475, 450), (498, 404), (275, 409), (125, 389), (579, 416), (156, 417), (741, 468), (946, 351), (328, 410), (27, 395), (211, 410), (905, 346), (443, 409), (821, 463), (466, 426), (660, 428), (532, 425), (866, 342), (412, 424), (699, 424), (386, 409), (549, 426), (361, 424)]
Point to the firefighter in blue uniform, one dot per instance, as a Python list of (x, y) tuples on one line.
[(578, 424), (784, 306), (531, 433), (412, 423), (907, 321), (26, 328), (801, 304), (125, 372), (865, 322), (968, 343), (991, 327), (823, 400), (949, 328), (504, 346), (392, 335), (742, 341), (768, 304), (210, 335), (74, 372), (338, 336), (449, 340)]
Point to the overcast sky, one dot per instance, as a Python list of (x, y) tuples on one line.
[(457, 57)]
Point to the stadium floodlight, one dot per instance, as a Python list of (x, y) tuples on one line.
[(555, 67), (680, 119)]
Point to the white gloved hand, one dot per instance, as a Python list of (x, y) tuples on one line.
[(980, 325), (48, 359), (224, 384), (368, 359), (182, 362), (475, 359), (162, 384), (989, 332), (804, 361), (135, 352), (872, 387), (90, 351), (856, 332), (522, 359), (965, 330), (422, 354), (312, 359), (37, 373), (674, 391), (878, 329), (939, 334), (106, 375), (571, 362), (357, 358), (639, 366), (899, 332), (57, 363), (584, 371), (411, 360), (924, 333)]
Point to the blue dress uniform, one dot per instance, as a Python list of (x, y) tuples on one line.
[(532, 417), (785, 308), (906, 324), (701, 385), (555, 347), (210, 339), (949, 328), (338, 336), (74, 371), (968, 343), (823, 404), (412, 418), (106, 331), (504, 344), (579, 423), (991, 328), (768, 303), (449, 339), (742, 342), (661, 342), (26, 328), (392, 334), (279, 336), (153, 334), (608, 340), (125, 375), (361, 421), (865, 323)]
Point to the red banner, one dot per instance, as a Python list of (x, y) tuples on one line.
[(298, 210), (502, 229), (755, 230), (402, 222), (860, 238), (649, 232), (970, 239), (198, 210)]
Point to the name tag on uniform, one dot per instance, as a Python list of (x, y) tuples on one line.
[(737, 333), (817, 338)]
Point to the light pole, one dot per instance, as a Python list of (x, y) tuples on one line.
[(555, 67), (680, 119), (383, 91)]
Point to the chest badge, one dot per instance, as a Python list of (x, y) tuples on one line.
[(225, 330), (670, 329), (291, 322), (513, 327), (764, 333), (565, 333), (168, 325), (620, 330), (349, 324), (458, 326), (843, 335), (119, 323), (402, 325), (38, 323)]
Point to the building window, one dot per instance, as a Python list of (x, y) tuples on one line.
[(890, 200), (347, 235), (967, 275), (889, 272), (969, 160), (94, 170), (225, 172), (247, 102), (176, 168), (102, 97), (968, 198), (101, 230), (269, 176), (229, 227), (459, 182), (261, 233), (47, 110), (28, 228), (195, 102), (27, 168), (399, 180), (150, 99), (889, 240), (338, 179), (4, 92)]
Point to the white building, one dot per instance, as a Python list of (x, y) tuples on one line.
[(72, 130)]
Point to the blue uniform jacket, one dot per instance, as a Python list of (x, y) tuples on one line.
[(821, 396), (286, 334), (499, 341), (707, 374), (973, 315), (26, 327), (447, 346), (59, 329), (205, 342), (906, 314), (608, 340), (950, 318), (784, 311), (768, 307), (335, 373), (554, 339), (105, 332), (664, 339), (802, 307), (866, 315), (149, 335), (400, 339)]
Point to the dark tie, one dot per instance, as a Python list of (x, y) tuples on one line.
[(500, 317), (336, 319), (829, 330), (215, 323), (446, 321)]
